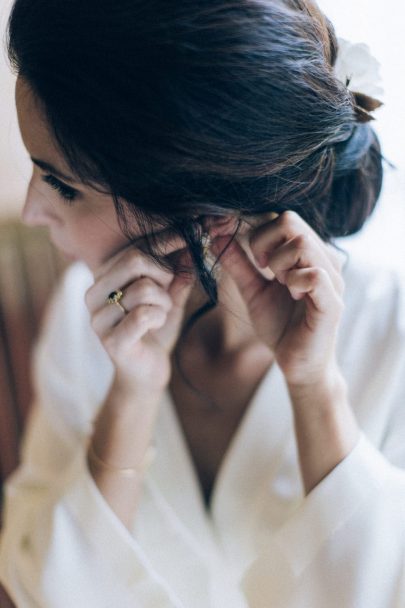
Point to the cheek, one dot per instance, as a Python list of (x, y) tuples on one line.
[(96, 239)]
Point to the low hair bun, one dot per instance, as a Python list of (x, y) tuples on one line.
[(357, 182)]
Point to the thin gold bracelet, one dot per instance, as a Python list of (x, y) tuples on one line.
[(127, 472)]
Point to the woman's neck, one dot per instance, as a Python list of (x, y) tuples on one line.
[(225, 329)]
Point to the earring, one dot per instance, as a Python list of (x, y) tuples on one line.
[(209, 258), (206, 242)]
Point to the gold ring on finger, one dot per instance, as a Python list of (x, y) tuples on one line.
[(114, 298)]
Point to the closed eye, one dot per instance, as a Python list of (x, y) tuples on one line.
[(67, 193)]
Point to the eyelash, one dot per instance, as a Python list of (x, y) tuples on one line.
[(65, 192)]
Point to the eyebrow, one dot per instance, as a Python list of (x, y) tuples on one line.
[(48, 167)]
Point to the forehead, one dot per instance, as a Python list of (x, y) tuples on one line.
[(34, 129)]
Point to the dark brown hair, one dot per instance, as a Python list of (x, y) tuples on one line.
[(181, 109)]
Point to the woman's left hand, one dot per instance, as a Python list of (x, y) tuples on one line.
[(297, 313)]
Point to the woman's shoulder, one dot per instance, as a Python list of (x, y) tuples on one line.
[(74, 281), (71, 368), (67, 301), (372, 284), (371, 347), (374, 304), (66, 327)]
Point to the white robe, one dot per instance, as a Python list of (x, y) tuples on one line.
[(262, 544)]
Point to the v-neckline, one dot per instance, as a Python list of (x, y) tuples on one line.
[(233, 448), (248, 481), (209, 491)]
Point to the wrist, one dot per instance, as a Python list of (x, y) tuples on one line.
[(328, 388), (126, 390), (325, 426), (138, 470)]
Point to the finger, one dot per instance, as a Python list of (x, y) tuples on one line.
[(129, 267), (235, 261), (317, 285), (227, 224), (143, 291), (180, 290), (302, 251), (166, 241), (285, 227), (122, 338)]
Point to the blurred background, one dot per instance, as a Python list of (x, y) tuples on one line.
[(379, 24)]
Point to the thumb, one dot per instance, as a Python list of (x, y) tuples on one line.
[(180, 289), (235, 261)]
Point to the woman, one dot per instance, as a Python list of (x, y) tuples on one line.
[(248, 451)]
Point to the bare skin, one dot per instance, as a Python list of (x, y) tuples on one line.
[(209, 427), (220, 356), (291, 320)]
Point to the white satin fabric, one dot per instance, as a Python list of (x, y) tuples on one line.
[(262, 544)]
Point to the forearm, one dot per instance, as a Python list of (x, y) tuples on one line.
[(121, 438), (325, 427)]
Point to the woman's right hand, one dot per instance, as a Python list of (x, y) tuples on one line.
[(139, 342)]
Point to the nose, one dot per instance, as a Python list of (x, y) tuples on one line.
[(37, 210)]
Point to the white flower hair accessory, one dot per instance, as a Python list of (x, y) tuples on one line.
[(359, 71)]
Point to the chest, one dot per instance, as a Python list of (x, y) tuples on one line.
[(211, 417)]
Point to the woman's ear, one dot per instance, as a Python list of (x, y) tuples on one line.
[(223, 225), (248, 226), (220, 225)]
